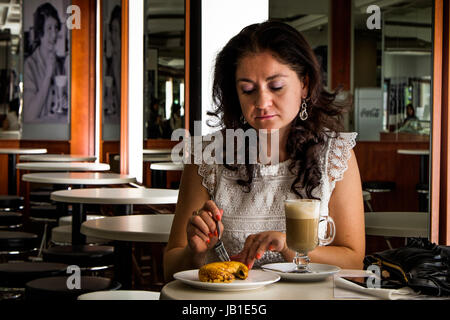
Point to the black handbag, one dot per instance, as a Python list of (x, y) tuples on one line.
[(421, 265)]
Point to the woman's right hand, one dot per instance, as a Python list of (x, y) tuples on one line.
[(50, 64), (201, 229)]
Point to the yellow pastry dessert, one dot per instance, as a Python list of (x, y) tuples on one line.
[(223, 271)]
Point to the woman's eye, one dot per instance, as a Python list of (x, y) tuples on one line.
[(247, 90), (276, 86)]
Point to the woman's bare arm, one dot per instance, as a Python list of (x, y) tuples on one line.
[(192, 196), (347, 210)]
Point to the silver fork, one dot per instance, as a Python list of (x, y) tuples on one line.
[(219, 247)]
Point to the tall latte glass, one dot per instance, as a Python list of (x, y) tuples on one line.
[(302, 229)]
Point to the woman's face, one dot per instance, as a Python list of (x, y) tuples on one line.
[(50, 36), (115, 36), (270, 92)]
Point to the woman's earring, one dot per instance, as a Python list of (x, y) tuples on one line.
[(243, 121), (303, 115)]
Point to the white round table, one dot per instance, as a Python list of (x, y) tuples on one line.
[(113, 196), (397, 224), (78, 178), (57, 158), (120, 295), (127, 229), (63, 166), (167, 166), (157, 151), (117, 196), (420, 152), (141, 228), (281, 290), (12, 153)]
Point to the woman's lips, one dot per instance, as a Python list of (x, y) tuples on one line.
[(265, 117)]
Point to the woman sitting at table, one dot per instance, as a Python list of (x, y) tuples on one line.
[(267, 77)]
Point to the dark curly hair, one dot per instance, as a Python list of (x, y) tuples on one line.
[(41, 14), (306, 139)]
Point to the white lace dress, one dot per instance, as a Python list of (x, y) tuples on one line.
[(262, 208)]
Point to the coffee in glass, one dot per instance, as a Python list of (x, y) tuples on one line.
[(302, 229)]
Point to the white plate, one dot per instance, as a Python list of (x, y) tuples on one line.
[(319, 271), (256, 279)]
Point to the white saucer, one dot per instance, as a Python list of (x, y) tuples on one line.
[(256, 279), (319, 271)]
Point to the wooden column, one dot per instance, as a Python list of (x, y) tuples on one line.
[(440, 174), (124, 164), (341, 43), (82, 115)]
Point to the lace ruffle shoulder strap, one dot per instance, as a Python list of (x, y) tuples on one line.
[(338, 154), (208, 172)]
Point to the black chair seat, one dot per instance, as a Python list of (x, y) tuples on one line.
[(378, 186), (11, 203), (45, 212), (16, 275), (17, 241), (56, 288), (8, 219), (84, 256), (40, 196)]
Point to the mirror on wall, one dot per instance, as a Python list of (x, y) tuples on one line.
[(164, 68), (393, 64), (311, 19), (391, 74), (11, 69), (392, 80), (111, 69)]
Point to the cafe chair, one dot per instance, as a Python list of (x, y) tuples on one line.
[(121, 295), (16, 245), (90, 258), (10, 221), (57, 288), (40, 197), (11, 203), (48, 215), (15, 275), (366, 198)]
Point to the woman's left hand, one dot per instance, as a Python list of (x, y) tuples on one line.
[(257, 244)]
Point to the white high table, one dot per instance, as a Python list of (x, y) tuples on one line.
[(141, 228), (57, 158), (157, 151), (78, 178), (63, 166), (12, 154), (127, 229), (167, 166), (397, 224), (112, 196), (280, 290)]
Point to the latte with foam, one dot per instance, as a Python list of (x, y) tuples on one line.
[(302, 221)]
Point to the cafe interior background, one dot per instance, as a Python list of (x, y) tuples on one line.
[(384, 69)]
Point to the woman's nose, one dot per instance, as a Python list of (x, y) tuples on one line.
[(263, 99)]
